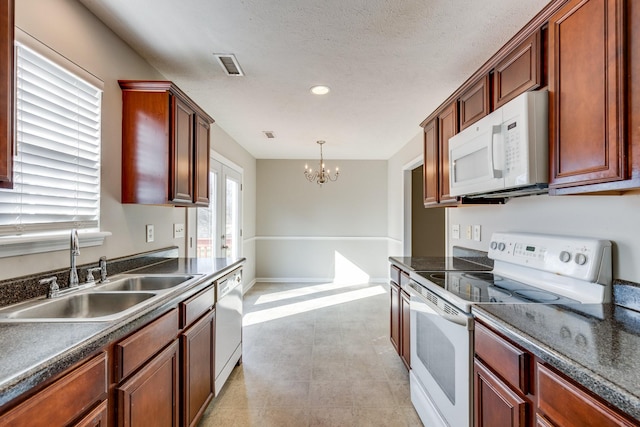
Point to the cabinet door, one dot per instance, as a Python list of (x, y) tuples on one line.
[(405, 327), (201, 163), (475, 103), (495, 404), (181, 152), (150, 397), (430, 167), (564, 404), (447, 127), (198, 374), (6, 94), (395, 315), (519, 72), (587, 93), (96, 418)]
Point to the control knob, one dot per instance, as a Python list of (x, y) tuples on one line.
[(581, 259), (565, 256), (494, 245), (501, 246)]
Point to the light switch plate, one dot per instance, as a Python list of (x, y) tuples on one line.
[(476, 233), (469, 232), (178, 231), (150, 233), (455, 231)]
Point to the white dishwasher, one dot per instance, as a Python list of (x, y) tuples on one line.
[(228, 326)]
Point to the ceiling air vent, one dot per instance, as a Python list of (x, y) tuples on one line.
[(229, 64), (269, 134)]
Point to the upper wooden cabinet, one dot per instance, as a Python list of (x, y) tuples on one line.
[(475, 102), (587, 93), (436, 157), (447, 127), (165, 145), (519, 71), (6, 93)]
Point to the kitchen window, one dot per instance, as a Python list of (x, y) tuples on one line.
[(56, 166)]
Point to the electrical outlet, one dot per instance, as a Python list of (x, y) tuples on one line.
[(469, 231), (476, 233), (150, 233), (455, 231), (178, 231)]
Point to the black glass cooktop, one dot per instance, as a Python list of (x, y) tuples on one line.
[(486, 287)]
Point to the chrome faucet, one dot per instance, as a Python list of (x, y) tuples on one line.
[(75, 251)]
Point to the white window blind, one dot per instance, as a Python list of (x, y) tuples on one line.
[(57, 162)]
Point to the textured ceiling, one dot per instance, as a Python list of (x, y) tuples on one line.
[(389, 63)]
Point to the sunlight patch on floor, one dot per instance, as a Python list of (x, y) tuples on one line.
[(302, 291), (309, 305)]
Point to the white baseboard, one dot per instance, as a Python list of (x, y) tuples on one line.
[(245, 288), (308, 280)]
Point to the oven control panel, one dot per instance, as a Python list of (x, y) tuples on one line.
[(577, 257)]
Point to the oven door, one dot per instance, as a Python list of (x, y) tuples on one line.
[(476, 158), (441, 360)]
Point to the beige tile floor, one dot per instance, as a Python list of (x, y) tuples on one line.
[(315, 355)]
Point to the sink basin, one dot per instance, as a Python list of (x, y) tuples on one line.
[(144, 283), (90, 306)]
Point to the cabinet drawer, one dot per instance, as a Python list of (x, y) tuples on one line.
[(394, 274), (133, 351), (65, 400), (565, 404), (196, 306), (508, 361)]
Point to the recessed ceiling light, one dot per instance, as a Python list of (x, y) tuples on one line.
[(320, 90)]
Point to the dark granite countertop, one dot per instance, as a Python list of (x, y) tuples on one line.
[(32, 352), (595, 345)]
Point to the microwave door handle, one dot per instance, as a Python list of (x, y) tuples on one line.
[(495, 130)]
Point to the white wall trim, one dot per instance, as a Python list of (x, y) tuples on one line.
[(247, 287), (309, 280), (363, 238), (249, 239), (33, 244)]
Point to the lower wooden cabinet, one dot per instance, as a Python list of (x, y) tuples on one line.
[(68, 401), (405, 328), (394, 315), (96, 418), (150, 396), (198, 370), (495, 403), (551, 399)]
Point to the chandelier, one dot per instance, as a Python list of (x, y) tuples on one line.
[(321, 175)]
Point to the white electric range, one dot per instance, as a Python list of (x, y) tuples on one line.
[(528, 268)]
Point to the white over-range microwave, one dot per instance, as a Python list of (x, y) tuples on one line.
[(504, 154)]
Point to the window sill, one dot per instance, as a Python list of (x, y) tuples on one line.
[(33, 244)]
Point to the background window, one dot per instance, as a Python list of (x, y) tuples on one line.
[(57, 162)]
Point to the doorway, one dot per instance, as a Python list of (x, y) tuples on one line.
[(427, 225)]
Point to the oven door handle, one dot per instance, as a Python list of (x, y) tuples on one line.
[(430, 308)]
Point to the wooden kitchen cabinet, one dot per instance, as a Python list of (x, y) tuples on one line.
[(165, 145), (96, 418), (197, 354), (405, 328), (436, 157), (587, 93), (495, 404), (519, 71), (475, 102), (394, 315), (562, 403), (6, 93), (150, 396), (447, 127), (71, 400), (514, 388)]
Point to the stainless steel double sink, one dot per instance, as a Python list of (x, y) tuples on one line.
[(120, 296)]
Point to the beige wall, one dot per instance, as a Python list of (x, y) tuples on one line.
[(302, 228), (71, 30)]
